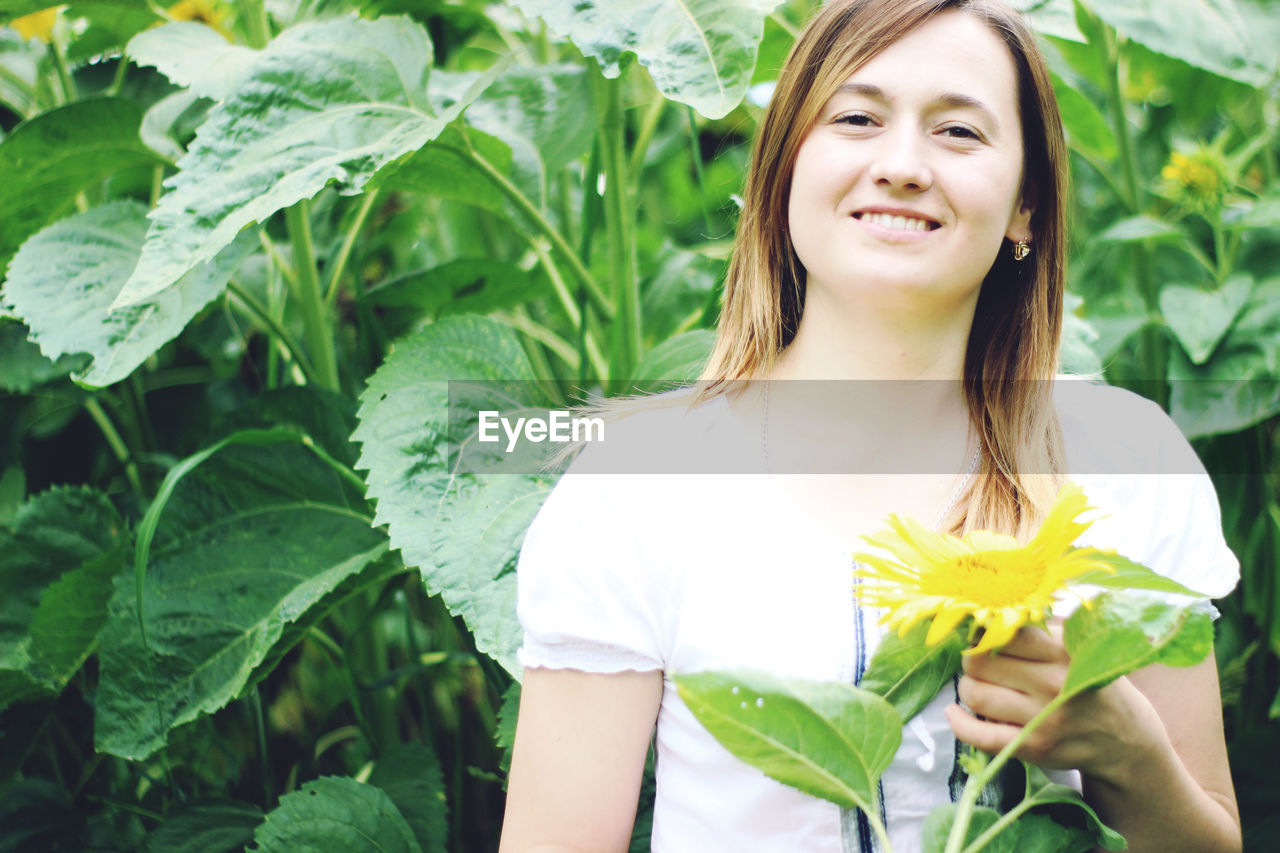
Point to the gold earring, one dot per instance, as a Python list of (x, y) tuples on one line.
[(1021, 249)]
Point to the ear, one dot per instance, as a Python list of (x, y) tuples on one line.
[(1020, 223)]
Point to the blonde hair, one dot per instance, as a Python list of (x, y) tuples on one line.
[(1013, 343)]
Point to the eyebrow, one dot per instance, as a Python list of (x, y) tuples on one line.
[(946, 99)]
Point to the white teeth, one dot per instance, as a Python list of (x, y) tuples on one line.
[(898, 223)]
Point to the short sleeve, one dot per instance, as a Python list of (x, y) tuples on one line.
[(1157, 504), (588, 591)]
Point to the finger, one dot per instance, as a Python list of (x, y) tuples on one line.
[(985, 735), (997, 703), (1033, 643), (1038, 679)]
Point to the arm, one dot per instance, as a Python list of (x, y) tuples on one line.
[(1149, 746), (580, 746)]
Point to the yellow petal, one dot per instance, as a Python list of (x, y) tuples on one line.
[(944, 623)]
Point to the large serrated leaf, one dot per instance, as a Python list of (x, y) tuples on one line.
[(1117, 633), (249, 542), (545, 114), (1200, 318), (328, 103), (194, 55), (1239, 385), (335, 813), (411, 776), (63, 280), (461, 530), (829, 739), (1209, 34), (699, 52), (57, 560), (48, 161)]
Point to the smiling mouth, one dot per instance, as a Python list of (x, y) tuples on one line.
[(896, 222)]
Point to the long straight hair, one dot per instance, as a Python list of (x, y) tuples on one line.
[(1012, 350)]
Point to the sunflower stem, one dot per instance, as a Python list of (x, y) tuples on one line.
[(978, 781)]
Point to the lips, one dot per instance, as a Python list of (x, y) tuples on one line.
[(897, 220)]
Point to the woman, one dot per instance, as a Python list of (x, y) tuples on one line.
[(903, 221)]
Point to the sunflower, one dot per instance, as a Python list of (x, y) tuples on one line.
[(989, 576), (37, 25)]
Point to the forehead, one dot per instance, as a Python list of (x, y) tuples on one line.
[(954, 52)]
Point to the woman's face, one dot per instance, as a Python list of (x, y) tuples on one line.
[(911, 177)]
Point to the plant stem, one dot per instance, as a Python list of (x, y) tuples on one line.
[(255, 308), (67, 82), (625, 337), (260, 734), (648, 126), (117, 445), (548, 230), (973, 787), (996, 828), (344, 253), (1152, 344), (310, 299), (117, 79), (257, 26)]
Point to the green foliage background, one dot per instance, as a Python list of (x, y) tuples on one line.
[(245, 247)]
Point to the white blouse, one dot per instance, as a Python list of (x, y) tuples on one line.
[(686, 573)]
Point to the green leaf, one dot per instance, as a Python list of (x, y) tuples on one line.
[(1087, 129), (10, 9), (1240, 383), (25, 367), (410, 775), (446, 168), (545, 114), (1138, 228), (36, 815), (1263, 213), (937, 826), (48, 161), (908, 673), (328, 103), (194, 55), (504, 733), (57, 559), (1127, 574), (464, 286), (247, 544), (699, 52), (674, 362), (1030, 833), (829, 739), (335, 813), (1208, 34), (206, 826), (1199, 318), (110, 24), (1078, 349), (1041, 791), (1117, 634), (63, 280), (462, 531)]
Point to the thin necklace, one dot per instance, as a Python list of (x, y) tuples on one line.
[(951, 504)]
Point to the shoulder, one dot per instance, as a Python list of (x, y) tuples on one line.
[(1111, 430)]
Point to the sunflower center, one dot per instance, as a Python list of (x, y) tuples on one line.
[(988, 579)]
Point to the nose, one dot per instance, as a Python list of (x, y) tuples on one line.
[(900, 161)]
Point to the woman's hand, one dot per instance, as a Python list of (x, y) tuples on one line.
[(1098, 732)]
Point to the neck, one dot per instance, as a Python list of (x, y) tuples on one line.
[(839, 340)]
